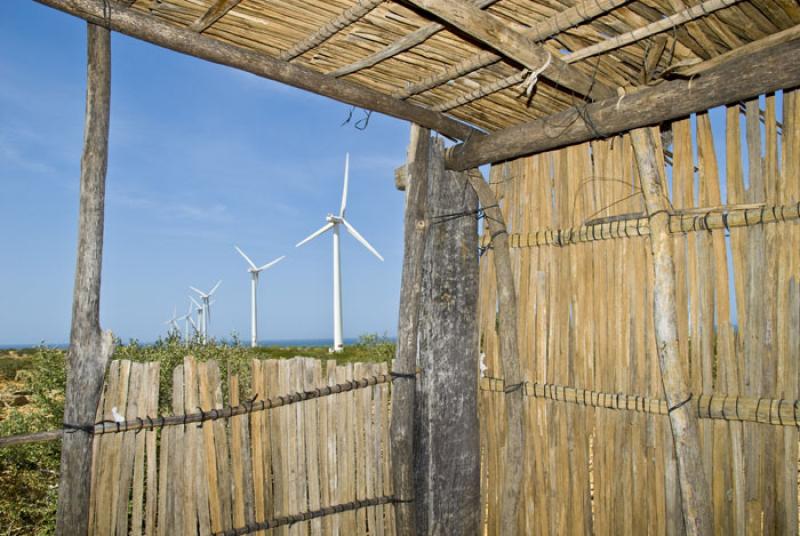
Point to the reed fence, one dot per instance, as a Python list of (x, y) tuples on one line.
[(307, 451), (599, 456)]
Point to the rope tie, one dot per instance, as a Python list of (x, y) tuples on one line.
[(680, 404)]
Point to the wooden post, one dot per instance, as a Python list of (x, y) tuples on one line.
[(509, 351), (447, 445), (695, 495), (89, 348), (416, 229)]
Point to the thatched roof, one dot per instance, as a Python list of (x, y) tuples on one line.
[(329, 36)]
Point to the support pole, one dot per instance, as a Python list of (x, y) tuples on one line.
[(447, 445), (509, 352), (402, 426), (89, 348), (695, 495)]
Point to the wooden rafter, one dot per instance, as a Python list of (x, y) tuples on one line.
[(740, 78), (495, 33), (401, 45), (214, 13), (151, 29), (578, 14), (345, 19)]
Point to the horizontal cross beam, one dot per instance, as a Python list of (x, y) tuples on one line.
[(740, 78), (497, 34), (153, 30)]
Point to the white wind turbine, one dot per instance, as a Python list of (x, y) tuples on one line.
[(198, 328), (333, 222), (173, 321), (187, 322), (254, 271), (205, 296)]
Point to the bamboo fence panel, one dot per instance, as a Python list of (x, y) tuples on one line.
[(586, 328), (223, 474)]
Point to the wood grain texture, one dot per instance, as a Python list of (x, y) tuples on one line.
[(447, 460), (89, 349)]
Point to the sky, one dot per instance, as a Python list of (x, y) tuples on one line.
[(201, 157)]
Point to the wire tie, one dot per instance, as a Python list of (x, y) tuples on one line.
[(139, 425), (737, 409), (725, 221), (746, 222), (724, 400), (679, 405), (403, 375), (710, 400), (705, 221), (780, 417), (758, 408), (761, 213), (202, 416), (796, 421)]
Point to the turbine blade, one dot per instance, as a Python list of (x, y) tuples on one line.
[(195, 302), (357, 236), (315, 234), (250, 262), (344, 190), (213, 290), (203, 294), (271, 264)]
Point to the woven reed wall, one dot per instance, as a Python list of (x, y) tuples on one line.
[(585, 321), (227, 473)]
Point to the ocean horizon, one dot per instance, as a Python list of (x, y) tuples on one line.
[(265, 343)]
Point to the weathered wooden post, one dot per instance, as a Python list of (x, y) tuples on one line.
[(695, 493), (415, 179), (514, 446), (89, 348), (447, 446)]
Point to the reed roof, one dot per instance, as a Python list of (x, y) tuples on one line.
[(330, 35)]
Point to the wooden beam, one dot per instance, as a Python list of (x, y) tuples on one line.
[(577, 14), (695, 495), (345, 19), (401, 45), (447, 441), (416, 232), (158, 32), (514, 446), (740, 78), (89, 348), (214, 13), (497, 34)]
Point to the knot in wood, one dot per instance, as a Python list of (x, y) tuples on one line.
[(421, 224)]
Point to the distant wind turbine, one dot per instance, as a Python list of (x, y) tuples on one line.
[(333, 222), (205, 296), (198, 328), (254, 271), (187, 321), (173, 321)]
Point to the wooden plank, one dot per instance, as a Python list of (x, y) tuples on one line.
[(497, 34), (415, 230), (577, 14), (123, 449), (447, 471), (360, 401), (333, 453), (89, 349), (694, 489), (771, 69), (148, 28), (312, 374), (197, 490), (277, 438), (151, 438), (217, 10), (300, 476), (242, 485), (258, 440), (221, 449)]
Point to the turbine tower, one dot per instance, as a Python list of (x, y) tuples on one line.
[(254, 271), (188, 321), (333, 222), (198, 328), (205, 296)]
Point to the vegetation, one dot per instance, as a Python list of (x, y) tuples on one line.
[(29, 473)]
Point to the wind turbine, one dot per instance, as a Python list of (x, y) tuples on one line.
[(254, 271), (187, 321), (333, 222), (204, 296), (199, 326), (173, 321)]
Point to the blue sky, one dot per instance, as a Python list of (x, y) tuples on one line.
[(202, 157)]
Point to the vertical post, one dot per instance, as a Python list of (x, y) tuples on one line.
[(695, 495), (253, 310), (89, 348), (447, 464), (338, 342), (509, 351), (402, 425)]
